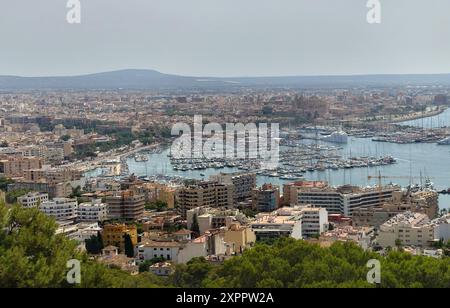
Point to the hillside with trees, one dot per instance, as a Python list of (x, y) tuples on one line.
[(31, 255)]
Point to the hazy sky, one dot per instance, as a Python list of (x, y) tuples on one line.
[(225, 37)]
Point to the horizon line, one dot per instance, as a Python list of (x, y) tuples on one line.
[(220, 77)]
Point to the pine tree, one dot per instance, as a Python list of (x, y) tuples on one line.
[(129, 249)]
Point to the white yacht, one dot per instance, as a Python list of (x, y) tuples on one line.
[(445, 141)]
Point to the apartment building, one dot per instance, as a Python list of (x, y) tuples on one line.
[(209, 194), (32, 199), (182, 252), (126, 205), (62, 209), (52, 175), (299, 222), (314, 221), (158, 249), (95, 211), (114, 235), (34, 151), (442, 228), (54, 190), (270, 226), (339, 200), (266, 198), (239, 237), (244, 184), (410, 229), (424, 202), (362, 236), (154, 192), (53, 153), (214, 218), (14, 166)]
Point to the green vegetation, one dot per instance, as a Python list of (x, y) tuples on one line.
[(145, 266), (249, 212), (94, 245), (298, 264), (159, 206), (4, 182), (444, 246), (11, 196), (129, 248), (31, 255), (65, 138), (76, 192)]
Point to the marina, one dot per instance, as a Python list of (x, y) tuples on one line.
[(412, 160), (351, 163)]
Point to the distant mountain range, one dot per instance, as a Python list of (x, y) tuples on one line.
[(150, 79)]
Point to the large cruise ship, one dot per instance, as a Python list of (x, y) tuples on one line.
[(336, 137)]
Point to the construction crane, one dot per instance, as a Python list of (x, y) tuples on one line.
[(380, 178)]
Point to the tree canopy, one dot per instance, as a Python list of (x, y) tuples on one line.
[(297, 264), (32, 255)]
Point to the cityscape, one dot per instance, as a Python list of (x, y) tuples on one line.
[(108, 180)]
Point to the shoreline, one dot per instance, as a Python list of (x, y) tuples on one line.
[(416, 116)]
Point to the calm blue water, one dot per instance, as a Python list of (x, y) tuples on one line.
[(432, 160)]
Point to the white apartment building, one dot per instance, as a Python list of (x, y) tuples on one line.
[(32, 199), (153, 249), (96, 211), (314, 221), (442, 228), (341, 200), (410, 229), (183, 252), (62, 209), (296, 222)]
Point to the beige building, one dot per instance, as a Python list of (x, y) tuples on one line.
[(338, 200), (52, 175), (154, 192), (13, 166), (244, 183), (409, 229), (126, 205), (240, 237), (424, 202), (115, 235), (208, 194), (214, 218)]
